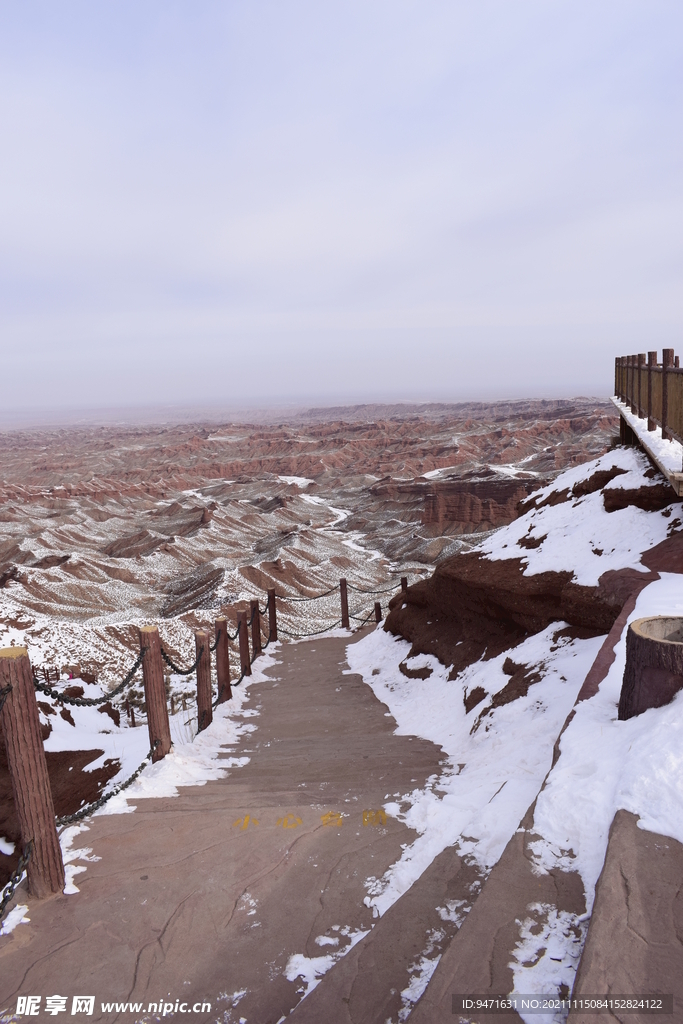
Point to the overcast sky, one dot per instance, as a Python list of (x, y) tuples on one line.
[(288, 201)]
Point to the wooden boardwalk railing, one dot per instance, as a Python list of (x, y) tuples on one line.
[(648, 395), (652, 390)]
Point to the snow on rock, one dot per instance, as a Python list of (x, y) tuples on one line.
[(578, 534), (606, 765), (496, 767), (309, 970)]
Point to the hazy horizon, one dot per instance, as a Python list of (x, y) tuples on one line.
[(255, 204)]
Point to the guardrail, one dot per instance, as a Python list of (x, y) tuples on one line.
[(652, 390), (42, 858)]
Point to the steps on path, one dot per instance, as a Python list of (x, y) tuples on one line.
[(365, 986), (635, 937)]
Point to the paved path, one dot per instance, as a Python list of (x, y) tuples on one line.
[(186, 905)]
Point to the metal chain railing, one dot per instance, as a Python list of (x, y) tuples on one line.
[(316, 597), (302, 636), (212, 647), (84, 702), (15, 877), (387, 590), (67, 819), (367, 618), (182, 671)]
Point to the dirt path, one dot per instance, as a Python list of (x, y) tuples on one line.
[(193, 901)]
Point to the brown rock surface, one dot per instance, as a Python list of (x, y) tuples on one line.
[(635, 937), (474, 606)]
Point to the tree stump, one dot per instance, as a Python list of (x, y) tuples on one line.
[(654, 665), (20, 725)]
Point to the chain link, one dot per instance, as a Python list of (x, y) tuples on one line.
[(85, 702), (85, 811), (218, 636), (182, 671), (359, 590), (316, 597), (302, 636), (16, 877)]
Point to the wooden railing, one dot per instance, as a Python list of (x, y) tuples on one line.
[(652, 390)]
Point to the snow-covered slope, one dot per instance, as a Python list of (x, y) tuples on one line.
[(501, 749)]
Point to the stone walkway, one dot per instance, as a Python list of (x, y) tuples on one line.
[(185, 905)]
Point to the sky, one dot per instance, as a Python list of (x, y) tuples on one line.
[(254, 202)]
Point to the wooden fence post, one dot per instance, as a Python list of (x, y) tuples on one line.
[(204, 709), (404, 583), (344, 604), (651, 363), (155, 692), (667, 363), (20, 724), (633, 360), (245, 663), (255, 628), (641, 363), (272, 617), (378, 612), (223, 661)]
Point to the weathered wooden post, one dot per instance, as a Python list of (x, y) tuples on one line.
[(641, 363), (243, 632), (651, 363), (272, 617), (20, 724), (203, 651), (155, 692), (634, 363), (653, 674), (223, 661), (667, 364), (255, 628), (344, 604), (404, 583), (378, 612)]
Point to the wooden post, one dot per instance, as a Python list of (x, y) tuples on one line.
[(641, 363), (404, 583), (155, 692), (378, 612), (651, 363), (634, 361), (255, 628), (204, 709), (20, 724), (223, 661), (243, 629), (667, 363), (344, 604), (272, 617)]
